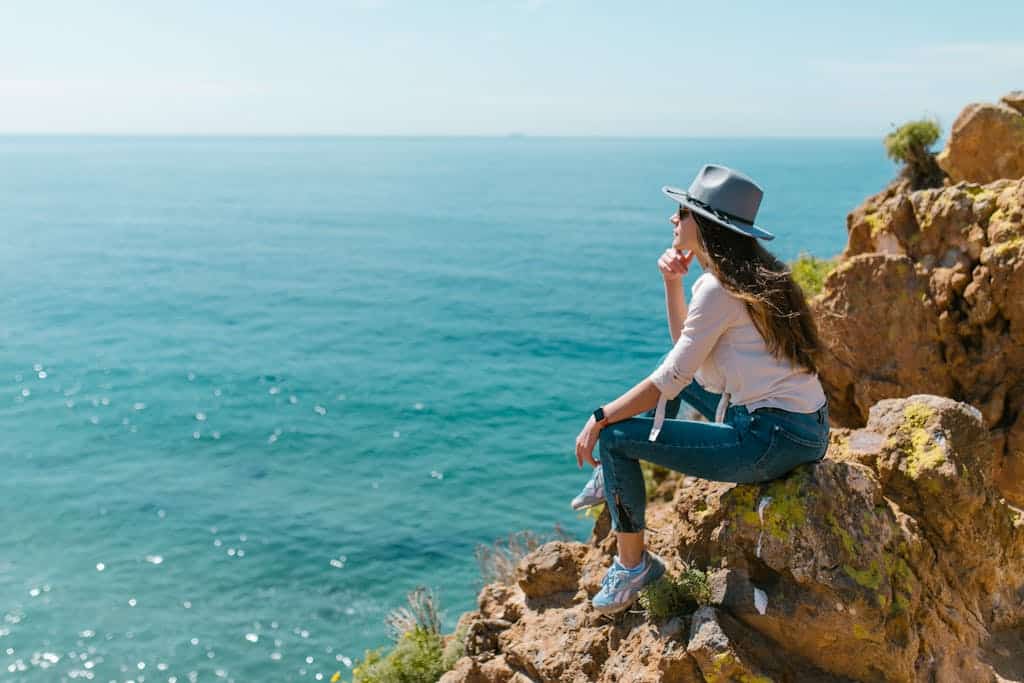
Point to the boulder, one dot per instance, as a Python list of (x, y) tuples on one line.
[(719, 657), (985, 144), (552, 568), (878, 346)]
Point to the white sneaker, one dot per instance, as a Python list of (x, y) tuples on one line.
[(593, 491)]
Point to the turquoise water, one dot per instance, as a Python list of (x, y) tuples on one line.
[(256, 390)]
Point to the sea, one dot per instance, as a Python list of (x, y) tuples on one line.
[(255, 391)]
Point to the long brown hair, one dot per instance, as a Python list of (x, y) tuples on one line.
[(776, 304)]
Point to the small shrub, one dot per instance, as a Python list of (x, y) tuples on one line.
[(419, 654), (910, 144), (671, 596), (421, 613), (498, 561), (695, 584), (810, 271), (417, 657)]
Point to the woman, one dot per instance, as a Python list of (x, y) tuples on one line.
[(743, 355)]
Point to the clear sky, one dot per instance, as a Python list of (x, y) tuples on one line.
[(492, 67)]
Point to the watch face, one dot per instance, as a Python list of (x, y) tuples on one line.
[(599, 414)]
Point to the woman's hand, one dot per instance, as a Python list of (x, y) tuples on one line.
[(673, 264), (586, 441)]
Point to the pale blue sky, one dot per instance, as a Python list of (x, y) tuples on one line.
[(490, 67)]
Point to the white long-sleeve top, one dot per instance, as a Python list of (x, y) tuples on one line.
[(721, 348)]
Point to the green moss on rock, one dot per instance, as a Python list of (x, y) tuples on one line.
[(844, 536), (787, 511), (724, 669), (924, 454), (921, 453), (862, 632), (869, 578), (875, 223), (1013, 244), (744, 500), (916, 415)]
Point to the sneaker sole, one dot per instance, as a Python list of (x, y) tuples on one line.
[(584, 504)]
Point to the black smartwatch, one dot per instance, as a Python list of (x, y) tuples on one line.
[(599, 415)]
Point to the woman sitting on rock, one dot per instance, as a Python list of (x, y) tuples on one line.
[(742, 355)]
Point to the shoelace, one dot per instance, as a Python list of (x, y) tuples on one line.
[(596, 483), (616, 577)]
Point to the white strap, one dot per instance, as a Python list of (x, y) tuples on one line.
[(659, 413), (723, 405), (659, 418)]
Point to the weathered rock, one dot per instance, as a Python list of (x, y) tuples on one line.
[(898, 352), (859, 549), (556, 645), (986, 143), (552, 568), (936, 276), (498, 601), (466, 670), (719, 657)]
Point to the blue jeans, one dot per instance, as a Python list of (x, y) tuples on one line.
[(749, 447)]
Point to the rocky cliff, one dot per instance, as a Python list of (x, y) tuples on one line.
[(895, 559), (900, 556), (928, 296)]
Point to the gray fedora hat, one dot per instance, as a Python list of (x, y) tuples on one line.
[(724, 196)]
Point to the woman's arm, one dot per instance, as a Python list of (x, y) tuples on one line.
[(642, 397), (675, 306), (673, 265)]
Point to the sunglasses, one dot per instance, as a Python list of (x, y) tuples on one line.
[(683, 213)]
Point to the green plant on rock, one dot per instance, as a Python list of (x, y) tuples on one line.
[(419, 654), (910, 144), (675, 595), (810, 272), (418, 657)]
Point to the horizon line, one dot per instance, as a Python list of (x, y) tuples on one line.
[(499, 136)]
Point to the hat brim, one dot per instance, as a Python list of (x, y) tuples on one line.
[(748, 229)]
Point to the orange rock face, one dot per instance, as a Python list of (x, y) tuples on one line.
[(929, 298), (986, 144)]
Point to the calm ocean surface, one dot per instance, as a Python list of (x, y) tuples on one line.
[(253, 391)]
